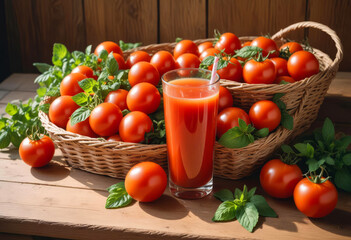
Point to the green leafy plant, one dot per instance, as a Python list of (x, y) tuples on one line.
[(118, 196), (323, 150), (243, 205)]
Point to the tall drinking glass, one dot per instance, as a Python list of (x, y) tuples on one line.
[(191, 107)]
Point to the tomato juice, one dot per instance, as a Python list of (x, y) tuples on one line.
[(191, 107)]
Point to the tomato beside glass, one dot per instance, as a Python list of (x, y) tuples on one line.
[(37, 153), (233, 71), (225, 99), (143, 72), (163, 61), (279, 179), (229, 118), (188, 60), (143, 97), (146, 181), (265, 114), (134, 126), (315, 200)]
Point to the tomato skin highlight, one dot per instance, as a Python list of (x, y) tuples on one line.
[(118, 97), (143, 97), (259, 72), (61, 110), (143, 72), (137, 56), (265, 114), (315, 200), (134, 126), (37, 153), (146, 181), (105, 118), (225, 99), (229, 118), (69, 85), (163, 61), (302, 64), (279, 179), (82, 128), (109, 46), (185, 46), (114, 138), (229, 42)]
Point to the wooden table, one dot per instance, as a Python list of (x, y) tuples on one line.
[(57, 201)]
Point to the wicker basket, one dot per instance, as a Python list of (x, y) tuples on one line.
[(303, 100)]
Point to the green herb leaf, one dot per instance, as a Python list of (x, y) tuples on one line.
[(343, 179), (305, 149), (80, 115), (116, 186), (328, 131), (4, 139), (242, 125), (248, 52), (88, 50), (222, 63), (81, 99), (251, 193), (208, 61), (103, 54), (287, 121), (59, 53), (224, 195), (237, 193), (178, 39), (347, 159), (344, 142), (329, 160), (261, 133), (262, 206), (127, 46), (42, 67), (313, 164), (16, 138), (247, 216), (234, 138), (112, 65), (225, 212), (11, 109), (119, 198), (44, 108), (87, 85), (41, 91), (287, 149)]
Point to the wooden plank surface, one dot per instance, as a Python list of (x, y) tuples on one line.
[(58, 201), (130, 21), (255, 17), (182, 18)]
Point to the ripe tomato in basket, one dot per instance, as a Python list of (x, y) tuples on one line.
[(281, 66), (143, 97), (143, 72), (87, 71), (82, 128), (302, 64), (233, 71), (109, 47), (292, 46), (137, 56), (208, 52), (146, 181), (163, 61), (185, 46), (188, 60), (267, 45), (265, 114), (203, 46), (229, 118), (61, 110), (118, 97), (225, 99), (69, 85), (134, 126), (228, 42), (120, 60), (255, 72)]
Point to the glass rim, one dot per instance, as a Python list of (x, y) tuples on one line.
[(188, 69)]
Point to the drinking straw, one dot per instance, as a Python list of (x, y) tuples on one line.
[(214, 70)]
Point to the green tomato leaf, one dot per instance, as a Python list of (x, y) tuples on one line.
[(53, 92), (247, 216), (262, 206), (328, 131), (112, 65), (59, 53), (313, 164), (103, 54), (44, 108), (88, 50), (287, 121), (343, 179), (237, 193), (80, 115), (118, 198), (81, 99), (16, 138), (248, 52), (116, 186), (127, 46), (222, 63), (42, 67), (208, 61), (344, 142), (242, 125), (11, 109), (287, 149), (305, 149), (277, 97), (251, 193), (4, 139), (224, 195), (329, 160), (41, 91), (234, 138), (225, 212), (263, 132), (347, 159), (88, 84)]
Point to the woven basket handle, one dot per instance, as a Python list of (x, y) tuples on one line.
[(319, 26)]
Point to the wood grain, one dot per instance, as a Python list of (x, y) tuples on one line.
[(41, 23), (255, 17), (182, 18), (336, 15), (130, 21)]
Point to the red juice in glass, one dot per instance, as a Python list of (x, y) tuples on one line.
[(191, 108)]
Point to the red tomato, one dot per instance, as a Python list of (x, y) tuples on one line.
[(208, 52), (109, 47), (248, 43), (87, 71), (188, 60), (229, 42), (185, 46), (259, 72), (233, 71), (163, 61), (265, 114), (146, 181), (293, 47), (225, 99), (143, 72), (267, 45), (61, 110), (143, 97), (137, 56), (114, 138), (229, 118), (203, 46), (315, 200), (279, 179), (120, 60), (69, 85), (288, 79), (82, 128), (134, 126), (118, 97), (37, 153), (105, 119), (302, 64), (281, 66)]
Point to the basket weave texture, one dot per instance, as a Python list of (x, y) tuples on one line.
[(303, 100)]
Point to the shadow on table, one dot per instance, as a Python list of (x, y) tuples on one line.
[(54, 171)]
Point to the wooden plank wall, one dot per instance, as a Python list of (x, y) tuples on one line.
[(33, 26)]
